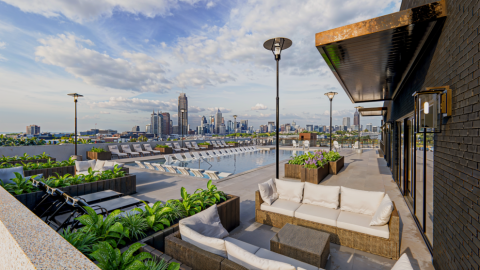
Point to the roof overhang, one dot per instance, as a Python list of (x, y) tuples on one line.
[(371, 59), (377, 111)]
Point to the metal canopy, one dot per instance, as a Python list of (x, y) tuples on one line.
[(377, 111), (372, 58)]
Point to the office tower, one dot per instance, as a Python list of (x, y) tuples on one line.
[(309, 128), (218, 122), (222, 129), (244, 125), (136, 128), (171, 127), (156, 121), (229, 126), (166, 123), (346, 121), (182, 105), (33, 130), (375, 129), (148, 129), (356, 118), (369, 127), (269, 127)]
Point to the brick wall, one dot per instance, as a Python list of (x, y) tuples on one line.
[(455, 62)]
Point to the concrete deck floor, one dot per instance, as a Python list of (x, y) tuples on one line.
[(364, 171)]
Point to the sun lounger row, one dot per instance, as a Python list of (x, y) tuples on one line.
[(212, 175), (138, 151)]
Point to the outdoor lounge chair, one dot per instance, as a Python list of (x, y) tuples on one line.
[(177, 146), (226, 152), (138, 148), (215, 144), (294, 144), (219, 153), (126, 149), (116, 152), (198, 172), (148, 147), (189, 146), (213, 175), (211, 153), (355, 146), (174, 149), (140, 164), (184, 170), (196, 155), (306, 145), (149, 166), (195, 146), (180, 158), (170, 168), (336, 146), (159, 167)]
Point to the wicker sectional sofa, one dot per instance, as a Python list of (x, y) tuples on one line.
[(384, 245)]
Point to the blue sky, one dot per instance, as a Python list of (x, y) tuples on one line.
[(129, 57)]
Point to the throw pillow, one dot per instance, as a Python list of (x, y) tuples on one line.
[(113, 163), (326, 196), (99, 165), (403, 263), (290, 191), (251, 261), (206, 223), (85, 165), (210, 244), (382, 215), (268, 192), (359, 201), (107, 168)]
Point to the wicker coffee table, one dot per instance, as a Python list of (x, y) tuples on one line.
[(303, 244)]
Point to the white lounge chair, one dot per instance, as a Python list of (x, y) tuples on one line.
[(294, 144), (184, 170), (195, 146), (148, 148), (213, 175), (177, 150), (138, 149), (196, 155), (215, 145), (126, 149), (180, 158), (306, 145), (336, 146), (170, 168), (224, 174), (220, 153), (355, 146), (198, 172), (211, 153), (159, 167), (140, 164), (149, 166), (177, 146), (116, 152), (189, 146)]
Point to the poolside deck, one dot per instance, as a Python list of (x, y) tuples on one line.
[(364, 171)]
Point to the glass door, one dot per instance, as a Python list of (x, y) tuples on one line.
[(401, 156)]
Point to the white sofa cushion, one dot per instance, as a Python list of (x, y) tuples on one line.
[(382, 215), (9, 173), (326, 196), (251, 261), (270, 255), (318, 214), (99, 165), (288, 190), (82, 172), (268, 191), (210, 244), (246, 246), (361, 223), (206, 223), (360, 201), (283, 207), (85, 165), (107, 168), (403, 263), (113, 163)]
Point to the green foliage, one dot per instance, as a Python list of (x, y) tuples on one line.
[(97, 150), (112, 259), (161, 146), (168, 139), (83, 241), (135, 224), (203, 143), (189, 203), (230, 142), (25, 156), (34, 166), (161, 265), (7, 141), (155, 215), (209, 196), (331, 156), (142, 139), (20, 185)]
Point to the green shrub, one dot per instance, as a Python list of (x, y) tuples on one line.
[(98, 150), (161, 146), (203, 143)]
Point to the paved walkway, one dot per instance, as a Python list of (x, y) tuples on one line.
[(362, 171)]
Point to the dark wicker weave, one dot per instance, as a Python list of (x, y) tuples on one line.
[(389, 248)]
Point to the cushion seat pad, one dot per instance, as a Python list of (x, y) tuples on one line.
[(318, 214), (281, 206), (361, 223), (270, 255)]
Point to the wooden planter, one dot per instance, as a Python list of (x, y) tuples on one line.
[(126, 185), (51, 171), (100, 156), (164, 150), (234, 144), (228, 211), (45, 160), (293, 171), (206, 147), (314, 176), (336, 166)]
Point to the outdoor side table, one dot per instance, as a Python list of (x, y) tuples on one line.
[(303, 244)]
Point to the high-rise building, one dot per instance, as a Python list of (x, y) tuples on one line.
[(166, 123), (375, 129), (369, 127), (148, 129), (136, 128), (171, 127), (33, 130), (183, 105), (356, 118), (346, 121), (309, 127), (244, 125), (218, 122), (156, 122)]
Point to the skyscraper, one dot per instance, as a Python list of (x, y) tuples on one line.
[(244, 125), (369, 127), (166, 123), (346, 121), (156, 122), (218, 121), (356, 118), (136, 128), (182, 105), (33, 130)]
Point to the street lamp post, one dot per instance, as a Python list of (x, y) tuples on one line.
[(182, 111), (359, 130), (276, 45), (75, 99), (235, 126), (330, 96)]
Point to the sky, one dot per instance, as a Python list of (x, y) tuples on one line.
[(131, 57)]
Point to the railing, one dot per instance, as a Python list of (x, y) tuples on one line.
[(344, 143)]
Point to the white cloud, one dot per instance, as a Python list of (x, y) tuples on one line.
[(2, 58), (104, 112), (136, 71), (2, 45), (260, 116), (87, 10), (134, 104), (344, 113), (86, 117), (222, 109), (258, 107), (195, 109), (210, 4), (198, 77)]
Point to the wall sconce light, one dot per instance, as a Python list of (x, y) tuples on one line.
[(431, 105)]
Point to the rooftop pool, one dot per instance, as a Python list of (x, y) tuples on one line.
[(234, 164)]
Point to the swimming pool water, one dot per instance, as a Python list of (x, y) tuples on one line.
[(233, 164)]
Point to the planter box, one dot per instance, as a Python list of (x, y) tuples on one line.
[(314, 176), (51, 171), (164, 150), (126, 185), (45, 160), (100, 156), (234, 144), (206, 147), (228, 211), (293, 171), (336, 166)]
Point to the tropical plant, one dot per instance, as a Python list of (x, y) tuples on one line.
[(332, 156), (135, 224), (203, 143), (161, 146), (190, 203), (178, 211), (97, 150), (83, 241), (112, 259), (20, 185), (7, 141), (209, 196), (230, 142), (161, 265), (155, 215), (142, 139)]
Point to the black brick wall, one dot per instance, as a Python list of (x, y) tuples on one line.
[(454, 61)]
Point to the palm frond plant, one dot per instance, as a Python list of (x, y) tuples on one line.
[(135, 224), (155, 215), (83, 241)]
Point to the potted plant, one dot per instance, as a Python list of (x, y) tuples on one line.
[(336, 162), (294, 166), (235, 144), (99, 153), (205, 146), (315, 168), (164, 149)]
